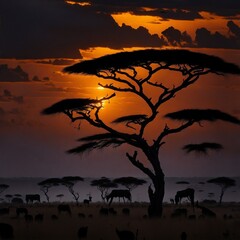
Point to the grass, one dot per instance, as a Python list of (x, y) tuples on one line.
[(103, 227)]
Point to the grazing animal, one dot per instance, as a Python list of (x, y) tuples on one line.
[(192, 217), (28, 218), (171, 200), (104, 211), (6, 231), (120, 193), (126, 235), (54, 217), (82, 232), (39, 217), (206, 212), (81, 215), (30, 198), (87, 201), (187, 193), (112, 211), (126, 211), (4, 211), (183, 236), (64, 208), (21, 211), (179, 212)]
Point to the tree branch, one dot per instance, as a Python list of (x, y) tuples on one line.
[(167, 131), (139, 165)]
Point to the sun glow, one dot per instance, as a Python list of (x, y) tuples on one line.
[(100, 88)]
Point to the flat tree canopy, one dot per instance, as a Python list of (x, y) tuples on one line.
[(123, 60)]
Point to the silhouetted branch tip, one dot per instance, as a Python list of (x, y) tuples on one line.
[(137, 118), (202, 147), (70, 104), (198, 115)]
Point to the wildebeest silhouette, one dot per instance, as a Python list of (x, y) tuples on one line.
[(64, 208), (120, 193), (4, 211), (6, 231), (82, 232), (187, 193), (39, 217), (126, 235), (104, 211), (126, 211), (179, 212), (21, 211), (206, 212), (28, 218), (30, 198)]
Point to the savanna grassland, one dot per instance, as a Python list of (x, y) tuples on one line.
[(102, 225)]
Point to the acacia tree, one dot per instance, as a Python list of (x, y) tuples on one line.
[(46, 184), (224, 183), (69, 182), (133, 73), (130, 182)]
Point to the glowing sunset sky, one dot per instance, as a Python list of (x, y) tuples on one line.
[(44, 36)]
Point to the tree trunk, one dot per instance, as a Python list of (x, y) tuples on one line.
[(221, 196), (156, 196)]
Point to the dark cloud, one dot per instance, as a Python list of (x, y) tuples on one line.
[(177, 38), (7, 96), (37, 79), (171, 9), (64, 62), (234, 28), (204, 38), (54, 29), (12, 74)]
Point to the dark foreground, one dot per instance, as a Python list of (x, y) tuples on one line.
[(98, 222)]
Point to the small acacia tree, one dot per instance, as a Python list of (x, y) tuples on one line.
[(224, 183), (45, 185), (69, 182), (134, 73)]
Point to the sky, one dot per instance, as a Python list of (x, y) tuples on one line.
[(38, 38)]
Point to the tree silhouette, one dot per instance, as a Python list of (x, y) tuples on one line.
[(130, 182), (133, 73), (3, 187), (69, 182), (202, 147), (48, 183), (224, 183), (103, 185)]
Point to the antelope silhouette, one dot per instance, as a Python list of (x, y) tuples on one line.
[(126, 235), (87, 201)]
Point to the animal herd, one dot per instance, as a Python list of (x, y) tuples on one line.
[(23, 211)]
